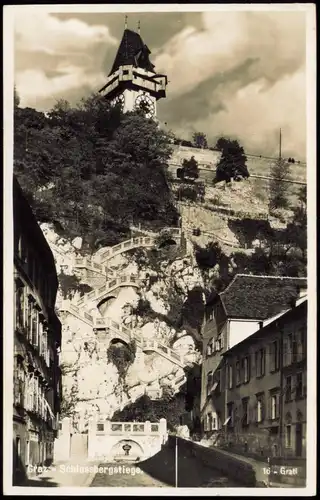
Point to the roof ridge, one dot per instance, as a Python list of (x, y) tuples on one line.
[(231, 282)]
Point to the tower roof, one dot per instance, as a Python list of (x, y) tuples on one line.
[(132, 51)]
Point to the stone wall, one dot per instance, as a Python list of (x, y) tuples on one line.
[(234, 468)]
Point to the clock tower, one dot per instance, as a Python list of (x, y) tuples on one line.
[(132, 81)]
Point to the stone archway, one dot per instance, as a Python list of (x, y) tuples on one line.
[(127, 450), (117, 341), (105, 303), (167, 243)]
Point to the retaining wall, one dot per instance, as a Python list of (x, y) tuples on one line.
[(234, 468)]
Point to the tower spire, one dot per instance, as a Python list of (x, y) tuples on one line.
[(139, 27), (125, 22)]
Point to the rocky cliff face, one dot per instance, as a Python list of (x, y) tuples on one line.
[(148, 311)]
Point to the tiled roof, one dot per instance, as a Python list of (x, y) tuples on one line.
[(132, 51), (260, 297)]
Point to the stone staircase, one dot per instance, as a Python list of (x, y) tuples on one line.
[(126, 334), (107, 288)]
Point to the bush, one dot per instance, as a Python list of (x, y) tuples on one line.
[(187, 193)]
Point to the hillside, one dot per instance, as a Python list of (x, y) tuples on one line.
[(133, 274), (251, 195)]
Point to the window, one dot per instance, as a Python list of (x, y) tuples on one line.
[(260, 408), (274, 406), (20, 304), (40, 333), (34, 326), (288, 436), (18, 451), (36, 394), (288, 389), (29, 320), (274, 356), (238, 373), (299, 386), (302, 345), (209, 350), (209, 416), (260, 362), (230, 376), (209, 382), (230, 413), (214, 424), (100, 427), (18, 380), (288, 347), (246, 369), (245, 412), (294, 358)]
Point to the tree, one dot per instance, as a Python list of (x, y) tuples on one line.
[(200, 140), (232, 164), (209, 256), (190, 168), (280, 173), (170, 407), (72, 164), (221, 143)]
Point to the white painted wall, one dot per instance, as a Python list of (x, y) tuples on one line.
[(240, 330)]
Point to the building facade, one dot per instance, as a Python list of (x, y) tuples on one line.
[(262, 389), (37, 341), (246, 305)]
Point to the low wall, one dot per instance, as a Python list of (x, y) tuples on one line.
[(236, 469)]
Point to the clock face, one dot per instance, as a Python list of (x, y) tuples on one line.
[(119, 100), (144, 103)]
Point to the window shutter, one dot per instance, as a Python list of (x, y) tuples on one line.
[(269, 407), (278, 406), (263, 408), (222, 342), (271, 357)]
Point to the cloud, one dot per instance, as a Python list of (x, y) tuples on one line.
[(277, 40), (242, 75), (237, 74), (253, 114), (37, 30), (55, 56), (49, 89)]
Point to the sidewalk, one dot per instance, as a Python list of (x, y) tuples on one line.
[(72, 473)]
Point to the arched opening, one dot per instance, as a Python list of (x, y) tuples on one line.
[(118, 342), (105, 303), (127, 450), (170, 242)]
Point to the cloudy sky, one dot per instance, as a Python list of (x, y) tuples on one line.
[(236, 74)]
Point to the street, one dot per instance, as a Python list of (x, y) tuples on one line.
[(159, 471)]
